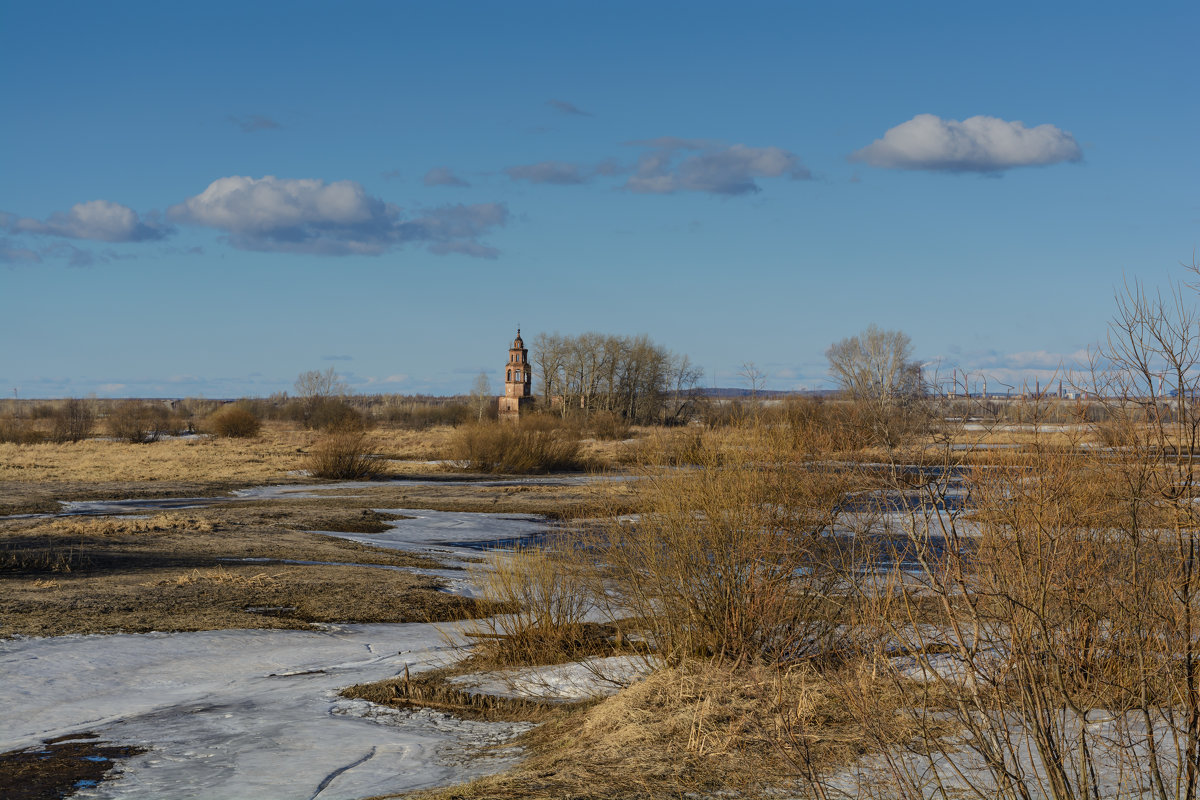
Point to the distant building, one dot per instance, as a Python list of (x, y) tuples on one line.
[(518, 382)]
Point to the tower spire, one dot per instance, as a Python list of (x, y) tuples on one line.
[(518, 380)]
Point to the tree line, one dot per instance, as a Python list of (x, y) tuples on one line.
[(628, 376)]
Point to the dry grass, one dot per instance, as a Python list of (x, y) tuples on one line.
[(697, 730), (278, 451), (343, 455), (221, 460), (155, 595), (219, 575), (182, 571), (236, 421), (726, 559), (432, 690), (547, 600), (535, 445), (42, 558), (109, 526)]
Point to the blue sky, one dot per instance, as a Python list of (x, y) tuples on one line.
[(208, 199)]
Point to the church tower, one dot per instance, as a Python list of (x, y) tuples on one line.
[(518, 381)]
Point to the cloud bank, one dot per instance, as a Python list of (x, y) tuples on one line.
[(672, 164), (978, 144), (715, 169), (560, 173), (339, 218), (97, 220), (443, 176)]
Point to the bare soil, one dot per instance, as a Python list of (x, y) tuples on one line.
[(58, 767)]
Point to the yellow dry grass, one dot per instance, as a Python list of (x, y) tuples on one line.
[(697, 730), (279, 450), (107, 526), (216, 575)]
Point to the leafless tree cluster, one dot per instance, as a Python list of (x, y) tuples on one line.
[(631, 377), (876, 371)]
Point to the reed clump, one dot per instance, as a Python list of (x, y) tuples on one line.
[(235, 421), (343, 454), (535, 445)]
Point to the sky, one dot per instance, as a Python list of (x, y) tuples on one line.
[(210, 199)]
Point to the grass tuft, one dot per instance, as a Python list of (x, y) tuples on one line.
[(530, 446), (235, 421), (342, 455)]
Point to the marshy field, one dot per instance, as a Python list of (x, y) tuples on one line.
[(919, 598)]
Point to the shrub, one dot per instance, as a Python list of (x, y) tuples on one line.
[(342, 455), (15, 430), (547, 601), (137, 422), (72, 421), (331, 413), (235, 421), (608, 425), (530, 446), (419, 415), (725, 559)]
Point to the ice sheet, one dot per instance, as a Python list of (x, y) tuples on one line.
[(244, 713), (588, 678), (456, 533)]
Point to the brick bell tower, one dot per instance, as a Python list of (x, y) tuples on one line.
[(518, 380)]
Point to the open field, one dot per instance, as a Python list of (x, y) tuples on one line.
[(792, 590)]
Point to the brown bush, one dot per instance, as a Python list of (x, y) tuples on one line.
[(235, 421), (138, 422), (17, 430), (608, 425), (725, 559), (547, 601), (72, 421), (331, 413), (531, 446), (342, 455), (419, 415)]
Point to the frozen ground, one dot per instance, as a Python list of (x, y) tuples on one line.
[(246, 713), (255, 713), (451, 535), (298, 491), (593, 677)]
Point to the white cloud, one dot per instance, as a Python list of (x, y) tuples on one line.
[(98, 220), (977, 144), (1017, 371), (339, 218)]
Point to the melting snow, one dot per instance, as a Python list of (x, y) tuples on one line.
[(245, 713)]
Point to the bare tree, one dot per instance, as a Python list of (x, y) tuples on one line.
[(317, 385), (481, 395), (875, 369), (630, 377), (875, 364), (73, 421)]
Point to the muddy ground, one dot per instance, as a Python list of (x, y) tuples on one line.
[(182, 569), (58, 767)]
